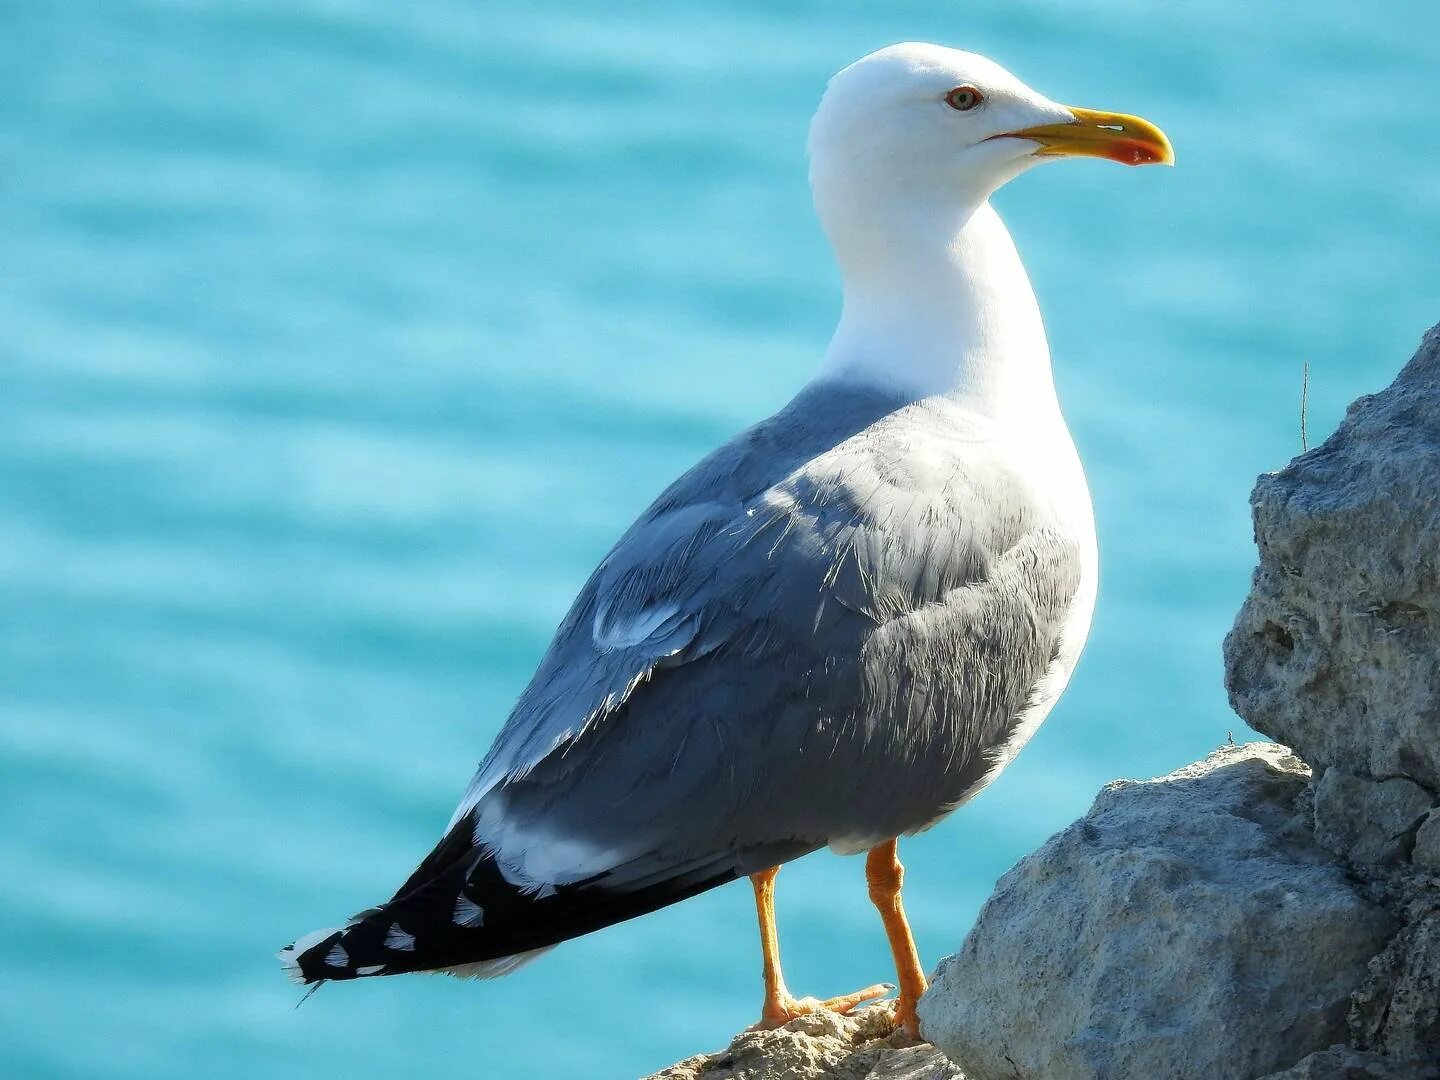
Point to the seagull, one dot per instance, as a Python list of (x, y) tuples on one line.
[(839, 626)]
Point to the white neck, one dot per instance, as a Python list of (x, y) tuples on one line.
[(941, 307)]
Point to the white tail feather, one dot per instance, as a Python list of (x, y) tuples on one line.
[(289, 956)]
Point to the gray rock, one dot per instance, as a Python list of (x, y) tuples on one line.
[(864, 1046), (1336, 652), (1398, 1009), (1368, 821), (1345, 1063), (1186, 927), (1427, 844)]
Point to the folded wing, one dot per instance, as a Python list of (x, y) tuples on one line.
[(822, 634)]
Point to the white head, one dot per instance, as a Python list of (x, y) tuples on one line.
[(916, 130), (906, 148)]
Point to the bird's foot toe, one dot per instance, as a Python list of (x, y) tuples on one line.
[(778, 1013)]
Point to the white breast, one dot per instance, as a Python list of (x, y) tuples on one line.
[(1045, 456)]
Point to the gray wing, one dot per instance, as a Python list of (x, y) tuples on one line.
[(820, 634), (823, 633)]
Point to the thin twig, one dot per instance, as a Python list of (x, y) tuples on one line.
[(1304, 406)]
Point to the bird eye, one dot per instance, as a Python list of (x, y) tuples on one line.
[(964, 98)]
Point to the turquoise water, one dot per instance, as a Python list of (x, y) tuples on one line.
[(339, 338)]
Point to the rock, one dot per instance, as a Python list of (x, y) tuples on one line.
[(1368, 821), (1426, 854), (1336, 652), (864, 1046), (1188, 926), (1345, 1063), (1398, 1009)]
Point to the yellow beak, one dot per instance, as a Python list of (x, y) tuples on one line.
[(1114, 136)]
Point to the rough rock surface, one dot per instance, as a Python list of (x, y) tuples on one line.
[(1337, 649), (1337, 652), (1398, 1009), (864, 1046), (1188, 926), (1345, 1063), (1369, 821), (1426, 853)]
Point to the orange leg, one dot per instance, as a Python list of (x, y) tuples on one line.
[(884, 875), (780, 1007)]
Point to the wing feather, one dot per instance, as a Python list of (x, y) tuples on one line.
[(821, 633)]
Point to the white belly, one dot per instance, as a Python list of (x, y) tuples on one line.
[(1057, 481)]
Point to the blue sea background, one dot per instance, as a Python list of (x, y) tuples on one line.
[(339, 339)]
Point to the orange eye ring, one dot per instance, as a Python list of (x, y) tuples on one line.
[(964, 98)]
